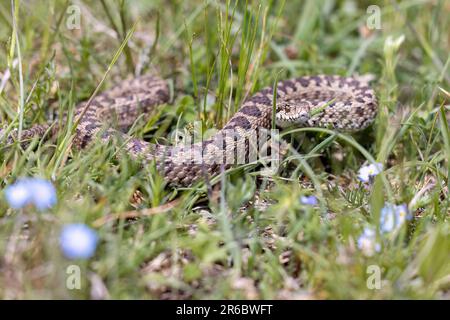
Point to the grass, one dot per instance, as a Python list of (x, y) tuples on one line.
[(244, 234)]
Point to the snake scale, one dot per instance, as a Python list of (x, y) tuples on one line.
[(343, 103)]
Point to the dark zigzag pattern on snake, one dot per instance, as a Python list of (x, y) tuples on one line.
[(350, 105)]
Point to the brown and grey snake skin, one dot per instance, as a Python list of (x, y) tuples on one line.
[(346, 104)]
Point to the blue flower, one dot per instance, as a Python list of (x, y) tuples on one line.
[(367, 172), (43, 193), (308, 200), (367, 242), (18, 194), (403, 212), (392, 217), (25, 191), (78, 241)]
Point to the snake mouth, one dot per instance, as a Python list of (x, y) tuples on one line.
[(292, 117), (288, 121)]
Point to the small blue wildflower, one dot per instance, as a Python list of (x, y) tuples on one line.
[(367, 172), (392, 217), (43, 193), (18, 194), (367, 242), (387, 218), (308, 200), (78, 241), (27, 191), (402, 211)]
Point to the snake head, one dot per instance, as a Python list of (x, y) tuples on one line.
[(292, 113)]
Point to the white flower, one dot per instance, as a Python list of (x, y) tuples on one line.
[(78, 241), (366, 172), (392, 45)]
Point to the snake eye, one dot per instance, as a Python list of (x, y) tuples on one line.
[(303, 117)]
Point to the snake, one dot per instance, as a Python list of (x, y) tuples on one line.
[(329, 101)]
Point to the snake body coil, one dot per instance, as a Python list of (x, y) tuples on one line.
[(342, 103)]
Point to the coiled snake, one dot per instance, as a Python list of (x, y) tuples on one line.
[(342, 103)]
